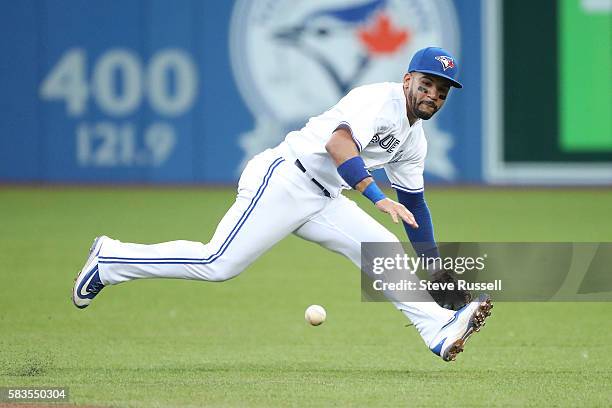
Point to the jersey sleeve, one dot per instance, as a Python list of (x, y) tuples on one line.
[(365, 115), (407, 173)]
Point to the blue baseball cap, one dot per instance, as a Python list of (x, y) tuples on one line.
[(435, 61)]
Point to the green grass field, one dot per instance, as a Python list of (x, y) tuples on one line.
[(161, 343)]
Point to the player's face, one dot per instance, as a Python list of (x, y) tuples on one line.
[(425, 94)]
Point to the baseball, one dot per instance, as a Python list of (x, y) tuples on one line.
[(315, 315)]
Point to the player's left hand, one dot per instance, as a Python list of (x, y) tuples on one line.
[(397, 211)]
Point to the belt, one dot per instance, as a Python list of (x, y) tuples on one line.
[(299, 165)]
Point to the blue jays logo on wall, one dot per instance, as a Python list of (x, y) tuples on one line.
[(294, 59)]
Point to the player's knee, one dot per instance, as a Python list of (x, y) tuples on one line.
[(220, 272), (222, 276)]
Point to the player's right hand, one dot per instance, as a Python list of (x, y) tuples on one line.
[(396, 211)]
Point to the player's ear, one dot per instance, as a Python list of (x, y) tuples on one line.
[(407, 78)]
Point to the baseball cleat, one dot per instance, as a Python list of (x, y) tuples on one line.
[(87, 284), (468, 320)]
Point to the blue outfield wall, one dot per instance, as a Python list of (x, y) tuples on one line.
[(185, 91)]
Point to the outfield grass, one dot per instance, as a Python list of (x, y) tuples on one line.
[(160, 343)]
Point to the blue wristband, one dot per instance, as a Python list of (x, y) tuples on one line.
[(374, 193), (353, 171)]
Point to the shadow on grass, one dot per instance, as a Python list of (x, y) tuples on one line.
[(273, 370), (29, 365)]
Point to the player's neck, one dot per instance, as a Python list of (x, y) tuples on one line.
[(412, 119)]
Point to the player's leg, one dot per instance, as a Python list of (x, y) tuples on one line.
[(268, 207), (341, 227), (266, 210)]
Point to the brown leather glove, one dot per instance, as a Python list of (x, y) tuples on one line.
[(449, 299)]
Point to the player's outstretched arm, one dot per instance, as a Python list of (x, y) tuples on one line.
[(424, 244), (422, 239), (351, 168)]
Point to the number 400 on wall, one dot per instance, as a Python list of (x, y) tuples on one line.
[(119, 86)]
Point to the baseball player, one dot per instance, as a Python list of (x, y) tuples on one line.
[(296, 188)]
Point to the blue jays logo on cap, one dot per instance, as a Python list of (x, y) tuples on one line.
[(436, 61), (446, 61)]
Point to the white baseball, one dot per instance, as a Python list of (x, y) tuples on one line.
[(315, 315)]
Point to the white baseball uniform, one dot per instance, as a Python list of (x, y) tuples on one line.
[(276, 198)]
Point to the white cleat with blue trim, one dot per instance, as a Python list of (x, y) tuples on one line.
[(87, 284), (468, 320)]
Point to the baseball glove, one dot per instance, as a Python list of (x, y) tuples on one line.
[(449, 299)]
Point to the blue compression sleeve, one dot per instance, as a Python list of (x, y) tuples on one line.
[(422, 238)]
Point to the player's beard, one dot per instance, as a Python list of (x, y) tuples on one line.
[(425, 115)]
